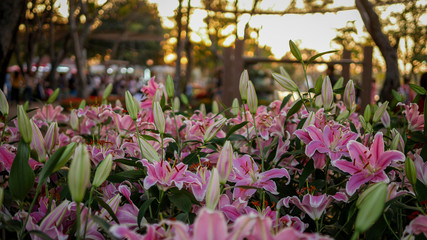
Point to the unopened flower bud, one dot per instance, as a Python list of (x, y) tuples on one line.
[(397, 141), (371, 208), (52, 137), (367, 113), (4, 105), (213, 129), (24, 125), (380, 111), (148, 150), (235, 107), (252, 98), (38, 143), (79, 173), (74, 120), (103, 171), (176, 104), (349, 95), (385, 119), (411, 171), (213, 191), (202, 109), (310, 120), (169, 86), (82, 104), (107, 92), (224, 164), (159, 118), (131, 106), (327, 93), (184, 99), (215, 109), (243, 85), (285, 82)]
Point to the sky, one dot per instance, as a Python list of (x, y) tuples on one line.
[(313, 31)]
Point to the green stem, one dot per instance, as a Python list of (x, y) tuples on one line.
[(259, 143), (389, 227), (178, 139), (161, 144), (78, 220), (87, 215), (20, 236), (317, 226), (306, 81), (137, 135), (355, 235)]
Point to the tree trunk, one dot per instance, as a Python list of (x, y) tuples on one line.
[(10, 16), (78, 52), (177, 81), (373, 25)]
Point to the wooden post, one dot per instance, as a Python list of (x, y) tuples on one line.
[(366, 77), (346, 55), (227, 75)]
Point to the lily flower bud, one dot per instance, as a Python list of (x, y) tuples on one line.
[(107, 92), (159, 118), (367, 113), (184, 99), (385, 119), (148, 150), (327, 93), (24, 125), (82, 104), (52, 137), (131, 106), (176, 104), (4, 105), (103, 171), (213, 191), (235, 107), (38, 143), (243, 85), (157, 96), (79, 173), (380, 111), (411, 171), (397, 141), (252, 98), (213, 129), (310, 120), (215, 109), (349, 95), (225, 160), (169, 86), (74, 120), (371, 208), (202, 109), (285, 82)]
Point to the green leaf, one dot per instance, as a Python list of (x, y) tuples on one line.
[(103, 224), (295, 51), (318, 86), (108, 208), (339, 84), (181, 201), (192, 157), (421, 190), (285, 101), (21, 178), (295, 108), (235, 128), (149, 138), (49, 166), (399, 97), (131, 175), (144, 207), (308, 169), (320, 54), (129, 162), (237, 137), (418, 89)]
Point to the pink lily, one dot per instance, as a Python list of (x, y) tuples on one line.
[(210, 225), (413, 116), (247, 173), (368, 164), (48, 114), (314, 206), (416, 227), (332, 141), (421, 167), (164, 176)]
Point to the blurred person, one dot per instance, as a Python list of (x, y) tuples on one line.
[(61, 85), (331, 73), (17, 84), (72, 85), (29, 87)]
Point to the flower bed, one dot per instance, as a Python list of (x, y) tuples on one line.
[(304, 169)]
